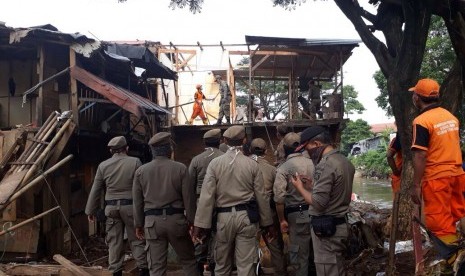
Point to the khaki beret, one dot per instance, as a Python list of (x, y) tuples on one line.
[(213, 134), (258, 143), (160, 139), (235, 133), (117, 142), (291, 140)]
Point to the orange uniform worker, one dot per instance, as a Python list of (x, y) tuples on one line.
[(198, 106), (394, 159), (437, 162)]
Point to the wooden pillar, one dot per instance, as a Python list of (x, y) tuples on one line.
[(74, 91), (176, 88), (40, 72)]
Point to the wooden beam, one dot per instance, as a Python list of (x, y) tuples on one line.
[(171, 51), (74, 91), (260, 62), (28, 221), (76, 270), (40, 72)]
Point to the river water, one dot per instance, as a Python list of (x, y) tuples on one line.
[(378, 192)]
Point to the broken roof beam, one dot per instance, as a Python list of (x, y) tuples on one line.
[(263, 53), (200, 46), (222, 46), (184, 62), (260, 62)]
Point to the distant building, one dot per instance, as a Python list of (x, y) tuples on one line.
[(373, 143)]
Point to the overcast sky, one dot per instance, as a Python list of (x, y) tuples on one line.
[(220, 20)]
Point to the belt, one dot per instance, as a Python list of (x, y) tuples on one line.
[(239, 207), (296, 208), (118, 202), (339, 220), (167, 211), (336, 220)]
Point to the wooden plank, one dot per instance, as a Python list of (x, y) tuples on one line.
[(74, 91), (40, 72), (7, 186), (23, 240), (260, 62), (76, 270), (49, 270)]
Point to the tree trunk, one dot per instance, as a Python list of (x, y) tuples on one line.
[(405, 27)]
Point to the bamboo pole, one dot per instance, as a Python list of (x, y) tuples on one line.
[(28, 150), (37, 180), (46, 151), (391, 268), (16, 226), (39, 146), (38, 137)]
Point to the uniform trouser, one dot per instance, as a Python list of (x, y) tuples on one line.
[(198, 111), (172, 229), (235, 236), (276, 247), (329, 252), (300, 244), (224, 110), (119, 218), (444, 204)]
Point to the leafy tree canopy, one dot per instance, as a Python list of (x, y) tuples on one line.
[(354, 132), (438, 60), (351, 104)]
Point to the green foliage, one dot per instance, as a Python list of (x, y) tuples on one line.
[(354, 132), (437, 62), (372, 163), (351, 104)]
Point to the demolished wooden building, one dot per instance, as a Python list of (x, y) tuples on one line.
[(66, 95), (63, 96)]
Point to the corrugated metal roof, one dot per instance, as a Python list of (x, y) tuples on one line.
[(300, 42), (127, 100)]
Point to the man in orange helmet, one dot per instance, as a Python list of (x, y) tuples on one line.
[(198, 106)]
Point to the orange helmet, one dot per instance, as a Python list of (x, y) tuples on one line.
[(198, 86)]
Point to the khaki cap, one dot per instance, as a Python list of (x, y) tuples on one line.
[(117, 142), (160, 139), (213, 134), (291, 140), (258, 143), (235, 133)]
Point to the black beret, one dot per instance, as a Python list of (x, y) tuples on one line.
[(310, 132)]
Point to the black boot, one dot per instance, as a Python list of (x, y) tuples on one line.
[(144, 272), (118, 273), (228, 121), (218, 122)]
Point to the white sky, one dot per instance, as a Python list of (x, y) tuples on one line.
[(220, 20)]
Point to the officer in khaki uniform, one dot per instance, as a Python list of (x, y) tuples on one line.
[(164, 206), (258, 149), (115, 176), (279, 154), (233, 186), (197, 171), (329, 200), (292, 209)]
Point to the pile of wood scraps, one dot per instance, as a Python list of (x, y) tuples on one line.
[(64, 268)]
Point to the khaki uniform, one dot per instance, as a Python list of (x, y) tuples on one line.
[(300, 240), (198, 167), (115, 177), (276, 246), (197, 171), (279, 154), (231, 181), (331, 195), (225, 100), (162, 195)]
